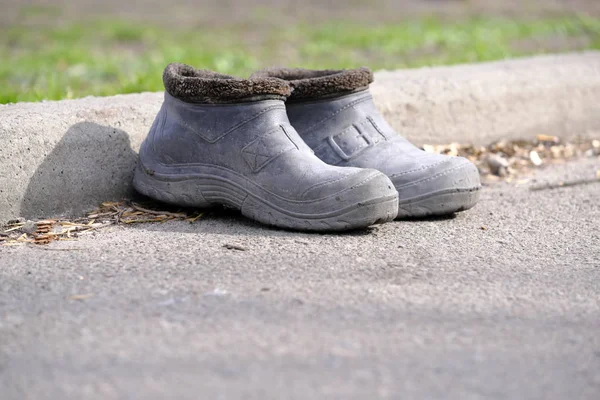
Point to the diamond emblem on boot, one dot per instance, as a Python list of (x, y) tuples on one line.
[(266, 148)]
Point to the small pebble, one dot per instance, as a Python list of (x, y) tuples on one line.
[(29, 227), (498, 164)]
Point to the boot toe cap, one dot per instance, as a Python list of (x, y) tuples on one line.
[(358, 184), (439, 174), (366, 189)]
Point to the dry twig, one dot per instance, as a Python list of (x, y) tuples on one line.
[(108, 214)]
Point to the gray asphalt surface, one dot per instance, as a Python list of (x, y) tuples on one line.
[(500, 302)]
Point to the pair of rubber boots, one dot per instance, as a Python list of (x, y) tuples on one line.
[(293, 148)]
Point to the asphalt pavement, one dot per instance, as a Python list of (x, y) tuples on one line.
[(500, 302)]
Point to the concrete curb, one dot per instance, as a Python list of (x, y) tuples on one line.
[(65, 157)]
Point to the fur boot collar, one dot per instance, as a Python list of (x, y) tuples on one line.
[(201, 86), (314, 84)]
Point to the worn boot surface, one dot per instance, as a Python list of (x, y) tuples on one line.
[(334, 113), (220, 140)]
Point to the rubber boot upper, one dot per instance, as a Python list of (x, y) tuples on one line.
[(335, 114)]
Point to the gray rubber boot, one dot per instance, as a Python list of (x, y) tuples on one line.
[(334, 113), (220, 140)]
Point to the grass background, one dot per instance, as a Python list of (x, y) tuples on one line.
[(107, 56)]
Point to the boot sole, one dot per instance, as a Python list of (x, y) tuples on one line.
[(438, 203), (205, 191)]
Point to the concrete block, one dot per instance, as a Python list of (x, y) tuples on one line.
[(65, 157)]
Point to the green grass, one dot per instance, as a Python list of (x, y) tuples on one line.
[(109, 57)]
